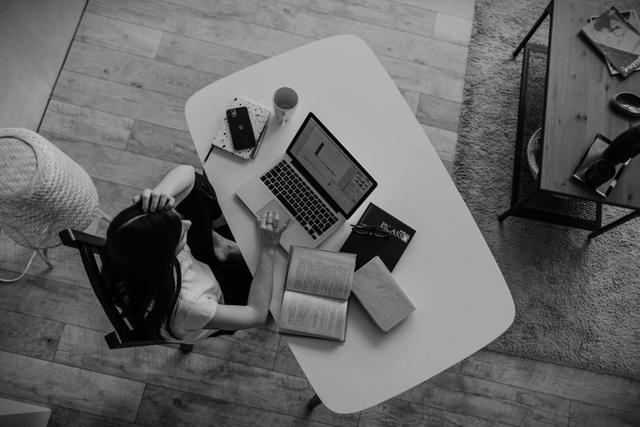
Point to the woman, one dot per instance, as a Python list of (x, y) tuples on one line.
[(171, 291)]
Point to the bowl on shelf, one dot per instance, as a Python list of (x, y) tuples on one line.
[(627, 103), (534, 150)]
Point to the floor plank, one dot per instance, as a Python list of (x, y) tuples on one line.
[(115, 34), (460, 8), (285, 360), (412, 99), (489, 400), (444, 141), (120, 99), (87, 124), (135, 71), (585, 415), (65, 417), (438, 113), (255, 347), (194, 373), (605, 390), (67, 265), (69, 387), (396, 412), (56, 301), (241, 10), (383, 41), (28, 335), (205, 56), (192, 23), (113, 165), (424, 79), (452, 28), (165, 407), (383, 13), (163, 143)]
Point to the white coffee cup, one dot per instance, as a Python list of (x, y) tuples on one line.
[(285, 101)]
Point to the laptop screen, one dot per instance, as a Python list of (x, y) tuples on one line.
[(327, 162)]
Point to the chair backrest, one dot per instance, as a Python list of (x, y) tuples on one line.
[(91, 250)]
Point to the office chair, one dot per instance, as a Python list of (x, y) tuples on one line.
[(91, 250)]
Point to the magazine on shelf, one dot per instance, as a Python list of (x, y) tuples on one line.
[(632, 17), (616, 39)]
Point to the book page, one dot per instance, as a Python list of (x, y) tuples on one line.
[(320, 272), (313, 314)]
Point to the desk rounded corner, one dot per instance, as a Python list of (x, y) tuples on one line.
[(511, 312), (352, 38)]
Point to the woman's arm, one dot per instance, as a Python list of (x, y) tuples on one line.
[(174, 187), (232, 317)]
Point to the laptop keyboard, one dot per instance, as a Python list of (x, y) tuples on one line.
[(296, 195)]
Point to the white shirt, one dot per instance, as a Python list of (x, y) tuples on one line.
[(200, 295)]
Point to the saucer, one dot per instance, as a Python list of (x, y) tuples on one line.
[(627, 103)]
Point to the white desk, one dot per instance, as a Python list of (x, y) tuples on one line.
[(462, 301)]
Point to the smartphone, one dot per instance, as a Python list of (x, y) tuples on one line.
[(240, 127)]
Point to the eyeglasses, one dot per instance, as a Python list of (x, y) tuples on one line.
[(369, 230)]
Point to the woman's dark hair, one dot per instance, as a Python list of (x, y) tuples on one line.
[(140, 267)]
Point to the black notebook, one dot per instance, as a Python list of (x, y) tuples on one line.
[(389, 249)]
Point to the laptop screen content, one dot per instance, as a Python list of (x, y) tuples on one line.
[(330, 165)]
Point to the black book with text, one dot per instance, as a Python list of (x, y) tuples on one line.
[(389, 249)]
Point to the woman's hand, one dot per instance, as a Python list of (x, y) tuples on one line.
[(153, 201), (270, 229)]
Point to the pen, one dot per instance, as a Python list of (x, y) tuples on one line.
[(262, 134), (209, 153)]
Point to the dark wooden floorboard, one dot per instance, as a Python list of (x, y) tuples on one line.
[(75, 388), (167, 407)]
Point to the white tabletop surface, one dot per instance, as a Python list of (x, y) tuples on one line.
[(461, 298)]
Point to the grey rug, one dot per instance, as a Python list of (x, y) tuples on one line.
[(577, 303)]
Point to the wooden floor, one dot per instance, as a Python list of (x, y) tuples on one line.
[(117, 109)]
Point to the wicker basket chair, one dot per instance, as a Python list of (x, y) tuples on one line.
[(42, 191)]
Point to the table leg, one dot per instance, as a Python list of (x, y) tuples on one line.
[(43, 255), (315, 401), (614, 224), (515, 207), (542, 17)]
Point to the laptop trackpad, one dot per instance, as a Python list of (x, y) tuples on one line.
[(275, 206)]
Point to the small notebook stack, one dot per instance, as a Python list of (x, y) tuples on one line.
[(259, 116)]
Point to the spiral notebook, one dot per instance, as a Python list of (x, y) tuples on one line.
[(259, 116)]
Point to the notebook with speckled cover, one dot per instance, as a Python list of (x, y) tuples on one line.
[(259, 120)]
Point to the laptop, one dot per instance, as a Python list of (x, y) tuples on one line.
[(317, 185)]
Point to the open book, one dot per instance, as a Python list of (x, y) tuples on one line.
[(316, 293)]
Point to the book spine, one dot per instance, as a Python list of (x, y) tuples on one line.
[(631, 67)]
